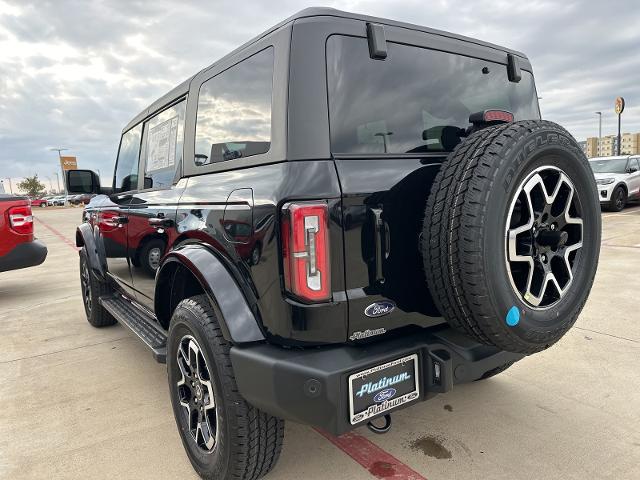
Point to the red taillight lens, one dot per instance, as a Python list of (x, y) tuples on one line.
[(305, 250), (21, 219)]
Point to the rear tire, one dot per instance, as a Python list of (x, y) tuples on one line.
[(92, 290), (512, 235), (247, 442)]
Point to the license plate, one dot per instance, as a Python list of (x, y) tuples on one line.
[(382, 388)]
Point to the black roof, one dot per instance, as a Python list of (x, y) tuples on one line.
[(183, 88)]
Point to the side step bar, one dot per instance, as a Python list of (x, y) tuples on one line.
[(140, 322)]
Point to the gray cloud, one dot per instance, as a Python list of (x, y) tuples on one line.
[(76, 71)]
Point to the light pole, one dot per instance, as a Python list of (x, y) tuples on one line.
[(57, 180), (384, 136), (599, 132), (61, 169)]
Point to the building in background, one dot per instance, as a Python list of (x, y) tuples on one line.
[(591, 148), (630, 143), (609, 145)]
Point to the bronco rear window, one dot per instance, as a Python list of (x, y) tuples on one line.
[(416, 100)]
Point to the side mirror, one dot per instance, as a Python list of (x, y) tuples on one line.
[(82, 181), (633, 169)]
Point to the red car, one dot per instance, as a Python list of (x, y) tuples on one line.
[(39, 202), (18, 247)]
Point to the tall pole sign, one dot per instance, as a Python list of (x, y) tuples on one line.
[(619, 109)]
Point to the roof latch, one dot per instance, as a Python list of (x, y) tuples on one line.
[(377, 41), (513, 67)]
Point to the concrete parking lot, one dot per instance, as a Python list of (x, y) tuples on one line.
[(78, 402)]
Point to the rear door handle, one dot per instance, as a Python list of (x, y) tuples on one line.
[(161, 222), (382, 242), (119, 220)]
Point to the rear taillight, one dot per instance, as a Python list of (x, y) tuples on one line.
[(21, 219), (305, 250)]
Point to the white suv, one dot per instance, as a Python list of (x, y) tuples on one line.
[(618, 180)]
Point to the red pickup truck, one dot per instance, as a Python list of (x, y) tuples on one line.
[(18, 247)]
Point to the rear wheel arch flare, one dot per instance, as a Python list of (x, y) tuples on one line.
[(238, 321)]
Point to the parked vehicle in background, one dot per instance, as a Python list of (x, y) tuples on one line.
[(58, 201), (39, 202), (18, 247), (82, 199), (618, 180), (382, 216)]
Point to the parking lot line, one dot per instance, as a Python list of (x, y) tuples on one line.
[(58, 234), (377, 461)]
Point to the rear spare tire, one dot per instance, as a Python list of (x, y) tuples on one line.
[(512, 235)]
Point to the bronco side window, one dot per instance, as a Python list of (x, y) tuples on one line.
[(234, 111), (126, 175), (162, 146)]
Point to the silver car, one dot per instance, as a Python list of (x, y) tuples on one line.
[(618, 180)]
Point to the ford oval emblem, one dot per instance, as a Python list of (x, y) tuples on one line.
[(386, 394), (379, 309)]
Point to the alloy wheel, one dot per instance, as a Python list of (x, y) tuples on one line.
[(85, 280), (620, 199), (154, 258), (196, 395), (543, 237)]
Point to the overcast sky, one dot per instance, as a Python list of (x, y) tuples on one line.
[(74, 72)]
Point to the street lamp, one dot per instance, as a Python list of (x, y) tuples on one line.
[(61, 169), (599, 132), (384, 136)]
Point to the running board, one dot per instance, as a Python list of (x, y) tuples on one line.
[(140, 322)]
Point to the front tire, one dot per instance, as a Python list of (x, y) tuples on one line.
[(92, 290), (234, 440), (618, 199)]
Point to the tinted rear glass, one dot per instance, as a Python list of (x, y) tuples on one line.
[(416, 100)]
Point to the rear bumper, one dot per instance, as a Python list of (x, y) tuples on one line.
[(24, 255), (310, 386)]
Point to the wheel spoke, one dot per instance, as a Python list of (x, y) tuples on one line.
[(208, 397), (546, 241), (193, 356), (208, 434)]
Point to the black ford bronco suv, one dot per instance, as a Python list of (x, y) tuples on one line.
[(343, 217)]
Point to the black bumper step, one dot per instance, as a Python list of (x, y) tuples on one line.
[(139, 322)]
